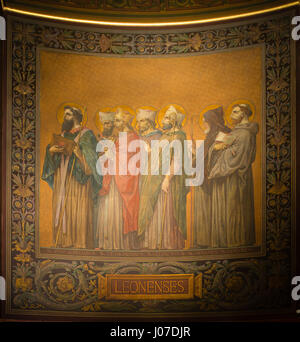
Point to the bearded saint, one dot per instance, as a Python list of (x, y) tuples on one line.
[(163, 197), (230, 172), (75, 183), (117, 225), (213, 120), (148, 132)]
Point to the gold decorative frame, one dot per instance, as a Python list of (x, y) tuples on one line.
[(47, 286)]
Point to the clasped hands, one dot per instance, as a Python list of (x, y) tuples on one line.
[(220, 146)]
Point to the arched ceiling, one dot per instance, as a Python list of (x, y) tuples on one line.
[(144, 12)]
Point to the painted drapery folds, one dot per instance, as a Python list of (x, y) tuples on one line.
[(45, 284)]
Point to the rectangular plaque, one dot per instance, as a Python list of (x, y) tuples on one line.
[(144, 286)]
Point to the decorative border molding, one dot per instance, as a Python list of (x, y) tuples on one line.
[(51, 287), (144, 13)]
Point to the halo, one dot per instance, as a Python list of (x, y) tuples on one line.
[(129, 110), (134, 123), (210, 107), (239, 101), (164, 109), (61, 112), (97, 120)]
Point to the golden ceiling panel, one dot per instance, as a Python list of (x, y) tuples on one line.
[(144, 12)]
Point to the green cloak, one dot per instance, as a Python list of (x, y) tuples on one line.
[(87, 144), (151, 188)]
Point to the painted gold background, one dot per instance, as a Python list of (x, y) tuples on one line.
[(194, 82)]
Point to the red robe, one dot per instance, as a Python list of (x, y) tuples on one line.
[(128, 187)]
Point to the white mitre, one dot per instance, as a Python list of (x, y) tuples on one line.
[(179, 116), (146, 114), (106, 116), (127, 117)]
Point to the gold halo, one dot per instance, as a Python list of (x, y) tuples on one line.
[(164, 109), (240, 101), (97, 120), (129, 110), (210, 107), (146, 108), (61, 112)]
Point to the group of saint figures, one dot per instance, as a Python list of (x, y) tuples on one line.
[(148, 211)]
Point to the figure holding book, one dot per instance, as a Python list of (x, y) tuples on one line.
[(230, 164), (70, 170)]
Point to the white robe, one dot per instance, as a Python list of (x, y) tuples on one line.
[(109, 234)]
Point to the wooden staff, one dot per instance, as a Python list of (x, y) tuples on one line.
[(65, 199), (192, 192), (163, 220), (65, 203)]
